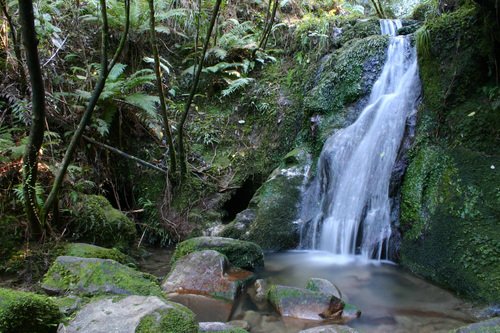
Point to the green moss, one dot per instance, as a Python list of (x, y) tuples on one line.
[(83, 250), (22, 312), (354, 29), (10, 238), (342, 79), (176, 320), (241, 254), (96, 221), (459, 245), (82, 276)]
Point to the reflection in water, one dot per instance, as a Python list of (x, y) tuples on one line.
[(390, 299)]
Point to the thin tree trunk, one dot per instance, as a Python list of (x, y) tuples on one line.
[(30, 159), (378, 8), (269, 27), (94, 98), (128, 156), (16, 46), (180, 133), (159, 87)]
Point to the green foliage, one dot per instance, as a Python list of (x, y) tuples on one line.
[(427, 9), (22, 312), (423, 42), (94, 220)]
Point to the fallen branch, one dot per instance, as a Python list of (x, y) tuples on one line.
[(123, 154)]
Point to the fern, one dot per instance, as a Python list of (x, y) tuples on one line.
[(423, 41), (147, 103), (236, 85)]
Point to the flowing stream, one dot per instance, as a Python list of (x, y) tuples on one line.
[(346, 209)]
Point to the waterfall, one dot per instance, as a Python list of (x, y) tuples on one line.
[(346, 208)]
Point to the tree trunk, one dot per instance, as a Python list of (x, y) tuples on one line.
[(30, 159), (94, 98), (16, 46), (159, 87), (180, 133)]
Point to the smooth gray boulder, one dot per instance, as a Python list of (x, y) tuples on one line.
[(487, 326), (206, 273), (219, 327), (323, 286), (132, 314)]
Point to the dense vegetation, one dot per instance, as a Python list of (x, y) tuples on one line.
[(135, 122)]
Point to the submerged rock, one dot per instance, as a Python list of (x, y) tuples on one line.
[(330, 329), (91, 276), (219, 327), (27, 312), (207, 273), (310, 305), (132, 314), (487, 326), (241, 254)]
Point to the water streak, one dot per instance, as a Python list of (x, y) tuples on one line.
[(346, 209)]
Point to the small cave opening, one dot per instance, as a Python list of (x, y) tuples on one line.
[(241, 197)]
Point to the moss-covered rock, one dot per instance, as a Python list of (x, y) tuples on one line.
[(97, 222), (241, 254), (23, 312), (276, 204), (354, 29), (133, 314), (346, 75), (90, 276), (310, 305), (84, 250), (450, 203)]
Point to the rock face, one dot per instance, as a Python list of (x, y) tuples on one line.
[(450, 204), (219, 327), (91, 276), (23, 312), (310, 305), (206, 273), (132, 314), (241, 254), (96, 221), (330, 329)]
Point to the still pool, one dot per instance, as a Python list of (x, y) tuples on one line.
[(391, 299)]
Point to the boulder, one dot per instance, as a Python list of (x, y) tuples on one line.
[(241, 254), (84, 250), (132, 314), (323, 286), (330, 329), (207, 273), (91, 276), (276, 204), (24, 312), (310, 305), (487, 326), (238, 227), (95, 221), (219, 327)]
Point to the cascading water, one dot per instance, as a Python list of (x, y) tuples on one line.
[(346, 209)]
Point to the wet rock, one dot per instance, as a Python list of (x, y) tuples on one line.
[(240, 323), (220, 327), (91, 276), (207, 273), (132, 314), (239, 226), (323, 286), (260, 290), (487, 326), (330, 329), (310, 305), (241, 254)]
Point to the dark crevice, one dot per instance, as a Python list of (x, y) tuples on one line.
[(241, 197)]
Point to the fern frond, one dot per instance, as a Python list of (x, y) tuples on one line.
[(236, 85), (217, 52), (147, 103), (116, 71)]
